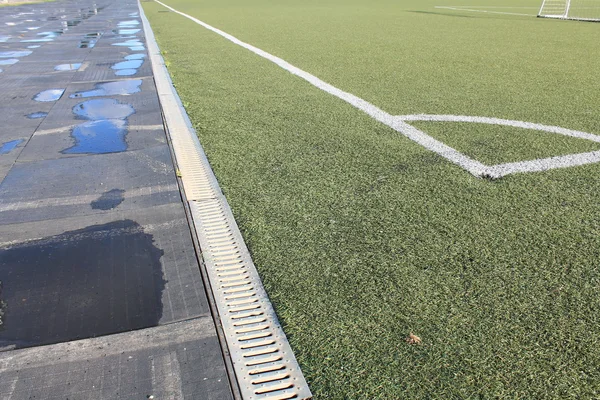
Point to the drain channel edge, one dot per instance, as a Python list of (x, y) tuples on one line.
[(264, 363)]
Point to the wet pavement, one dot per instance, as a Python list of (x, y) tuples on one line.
[(101, 294)]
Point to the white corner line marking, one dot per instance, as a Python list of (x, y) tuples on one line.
[(399, 124), (484, 11)]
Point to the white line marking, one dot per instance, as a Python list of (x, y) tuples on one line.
[(504, 122), (484, 11), (399, 124), (412, 133), (544, 164), (509, 7)]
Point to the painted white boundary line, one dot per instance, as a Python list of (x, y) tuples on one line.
[(399, 124), (484, 11)]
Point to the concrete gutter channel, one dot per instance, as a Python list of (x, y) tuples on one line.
[(121, 278)]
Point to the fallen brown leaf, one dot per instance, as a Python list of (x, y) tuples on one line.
[(413, 339)]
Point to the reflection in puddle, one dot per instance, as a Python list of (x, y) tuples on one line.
[(49, 95), (127, 68), (45, 37), (43, 40), (99, 137), (9, 61), (4, 39), (127, 64), (138, 56), (126, 72), (133, 44), (103, 109), (67, 67), (37, 115), (14, 54), (129, 24), (111, 89), (87, 44), (126, 31), (7, 147)]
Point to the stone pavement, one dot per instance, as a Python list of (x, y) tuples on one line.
[(101, 289)]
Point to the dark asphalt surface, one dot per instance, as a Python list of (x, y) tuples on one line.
[(101, 291)]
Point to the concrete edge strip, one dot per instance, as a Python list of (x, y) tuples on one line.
[(265, 366)]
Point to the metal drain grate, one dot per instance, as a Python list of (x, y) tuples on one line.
[(264, 363), (258, 346)]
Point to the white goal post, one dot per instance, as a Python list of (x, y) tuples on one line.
[(580, 10)]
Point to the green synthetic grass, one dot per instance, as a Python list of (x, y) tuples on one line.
[(500, 144), (362, 236)]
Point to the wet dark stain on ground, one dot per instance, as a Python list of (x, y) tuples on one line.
[(84, 283), (109, 200)]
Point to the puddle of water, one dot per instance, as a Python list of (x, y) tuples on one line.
[(37, 115), (93, 35), (9, 61), (34, 46), (14, 54), (134, 14), (73, 23), (4, 39), (133, 44), (45, 40), (127, 68), (109, 200), (126, 72), (67, 67), (111, 89), (87, 44), (139, 56), (7, 147), (99, 137), (129, 24), (126, 31), (131, 64), (46, 37), (98, 109), (49, 95)]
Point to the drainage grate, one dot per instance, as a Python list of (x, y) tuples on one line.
[(261, 354), (264, 363)]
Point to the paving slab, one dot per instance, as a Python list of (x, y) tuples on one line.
[(100, 285)]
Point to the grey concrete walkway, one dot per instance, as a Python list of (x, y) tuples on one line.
[(100, 285)]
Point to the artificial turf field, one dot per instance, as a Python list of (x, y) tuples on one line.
[(362, 236)]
